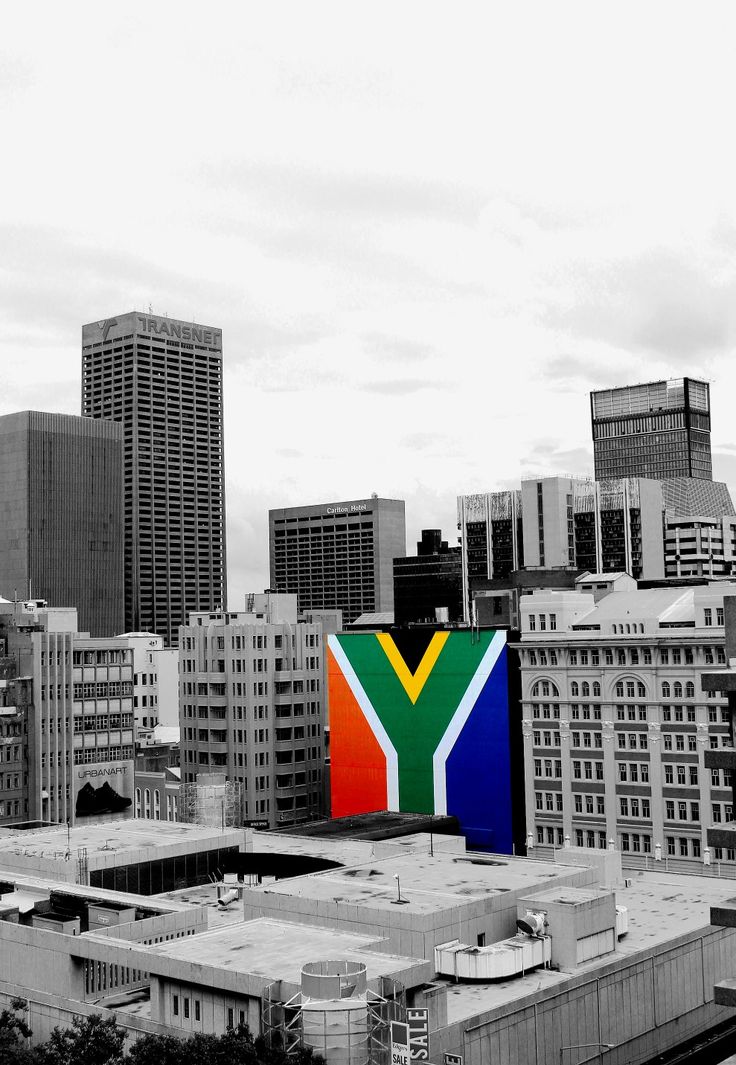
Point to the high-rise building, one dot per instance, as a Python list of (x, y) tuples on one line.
[(428, 582), (252, 702), (162, 379), (61, 520), (338, 555), (557, 523), (656, 430)]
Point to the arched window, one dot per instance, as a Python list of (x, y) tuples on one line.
[(596, 690), (641, 690), (574, 689), (619, 689), (665, 690), (545, 687), (677, 690), (689, 690), (147, 803), (157, 805), (137, 802), (585, 689)]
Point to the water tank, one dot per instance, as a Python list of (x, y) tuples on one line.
[(335, 1019)]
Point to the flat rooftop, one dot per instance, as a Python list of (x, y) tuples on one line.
[(277, 950), (106, 841), (661, 908), (429, 884), (349, 851)]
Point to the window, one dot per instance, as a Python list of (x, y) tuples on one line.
[(186, 1007), (176, 1003), (708, 616), (532, 622), (719, 615), (553, 621), (665, 690)]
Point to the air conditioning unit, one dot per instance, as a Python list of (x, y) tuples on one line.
[(532, 923)]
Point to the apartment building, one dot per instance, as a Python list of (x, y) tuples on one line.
[(78, 715), (252, 707), (616, 723)]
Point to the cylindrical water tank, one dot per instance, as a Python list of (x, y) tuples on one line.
[(335, 1017)]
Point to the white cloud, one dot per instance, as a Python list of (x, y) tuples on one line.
[(426, 234)]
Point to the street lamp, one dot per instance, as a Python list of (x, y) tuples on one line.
[(584, 1046)]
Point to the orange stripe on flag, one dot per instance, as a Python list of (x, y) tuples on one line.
[(357, 763)]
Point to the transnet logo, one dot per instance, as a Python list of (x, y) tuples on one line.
[(106, 326)]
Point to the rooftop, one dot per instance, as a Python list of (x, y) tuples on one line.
[(107, 841), (429, 884), (661, 908), (277, 950)]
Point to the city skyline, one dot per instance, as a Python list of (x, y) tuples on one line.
[(380, 271)]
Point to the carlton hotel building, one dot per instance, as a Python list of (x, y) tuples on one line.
[(616, 723)]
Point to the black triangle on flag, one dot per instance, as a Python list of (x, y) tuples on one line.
[(412, 645)]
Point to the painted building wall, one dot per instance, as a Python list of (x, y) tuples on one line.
[(419, 722)]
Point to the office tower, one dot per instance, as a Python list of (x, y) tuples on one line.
[(338, 555), (61, 520), (79, 714), (656, 430), (428, 582), (162, 379), (252, 707), (621, 742)]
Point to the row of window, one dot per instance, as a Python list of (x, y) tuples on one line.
[(630, 656)]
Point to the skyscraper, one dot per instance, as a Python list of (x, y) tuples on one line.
[(61, 522), (657, 430), (162, 379), (338, 555)]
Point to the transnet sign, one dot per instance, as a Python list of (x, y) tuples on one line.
[(103, 789)]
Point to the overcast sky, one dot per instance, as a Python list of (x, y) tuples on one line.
[(426, 230)]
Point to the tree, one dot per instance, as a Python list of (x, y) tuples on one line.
[(14, 1031), (236, 1047), (89, 1041)]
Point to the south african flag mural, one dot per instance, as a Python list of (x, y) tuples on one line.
[(419, 722)]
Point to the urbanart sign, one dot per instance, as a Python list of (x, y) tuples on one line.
[(103, 789), (417, 1021), (170, 328)]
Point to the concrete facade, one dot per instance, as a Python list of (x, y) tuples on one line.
[(61, 521), (338, 555), (180, 963), (161, 379), (253, 707), (155, 680)]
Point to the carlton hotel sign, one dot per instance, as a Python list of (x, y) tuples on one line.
[(347, 508)]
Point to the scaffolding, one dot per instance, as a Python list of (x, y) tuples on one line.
[(282, 1018), (216, 804)]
